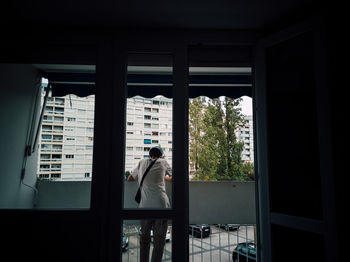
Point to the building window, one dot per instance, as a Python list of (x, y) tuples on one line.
[(56, 167), (147, 117), (87, 175), (71, 119), (69, 156), (44, 167), (46, 137), (147, 125), (130, 123), (147, 141)]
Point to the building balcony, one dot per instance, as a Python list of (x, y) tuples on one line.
[(210, 202)]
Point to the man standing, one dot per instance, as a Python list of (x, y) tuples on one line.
[(153, 195)]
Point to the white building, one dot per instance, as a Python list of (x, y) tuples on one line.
[(149, 123), (66, 139), (245, 134)]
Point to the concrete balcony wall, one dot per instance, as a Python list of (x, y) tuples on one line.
[(210, 202)]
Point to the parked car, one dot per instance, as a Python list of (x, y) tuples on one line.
[(228, 227), (199, 230), (125, 242), (243, 251)]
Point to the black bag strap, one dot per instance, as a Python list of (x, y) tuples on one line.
[(144, 175)]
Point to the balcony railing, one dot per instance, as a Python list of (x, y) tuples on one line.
[(218, 246)]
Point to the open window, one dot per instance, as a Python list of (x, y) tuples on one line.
[(221, 153), (57, 162)]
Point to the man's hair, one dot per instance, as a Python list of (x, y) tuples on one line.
[(155, 152)]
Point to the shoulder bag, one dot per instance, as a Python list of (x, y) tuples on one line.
[(138, 194)]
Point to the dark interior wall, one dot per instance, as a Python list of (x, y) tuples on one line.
[(55, 236), (26, 233), (338, 102), (19, 89)]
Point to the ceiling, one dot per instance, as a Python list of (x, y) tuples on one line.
[(176, 14)]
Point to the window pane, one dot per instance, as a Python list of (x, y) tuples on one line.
[(221, 159), (65, 182), (291, 101), (157, 232), (149, 112), (221, 152)]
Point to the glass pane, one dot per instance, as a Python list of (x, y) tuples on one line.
[(221, 157), (149, 131), (295, 182), (66, 144), (155, 236), (221, 147), (222, 242)]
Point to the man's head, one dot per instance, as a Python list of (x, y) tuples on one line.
[(156, 152)]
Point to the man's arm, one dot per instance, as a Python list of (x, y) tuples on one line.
[(131, 178), (135, 171), (168, 172)]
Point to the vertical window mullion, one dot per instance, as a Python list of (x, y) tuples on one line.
[(180, 155), (102, 147), (119, 74)]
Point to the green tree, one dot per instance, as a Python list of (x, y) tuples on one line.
[(215, 151), (248, 171), (196, 128)]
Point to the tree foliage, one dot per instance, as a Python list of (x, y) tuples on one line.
[(215, 153)]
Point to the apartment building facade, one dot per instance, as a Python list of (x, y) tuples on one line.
[(245, 134), (149, 123), (66, 138)]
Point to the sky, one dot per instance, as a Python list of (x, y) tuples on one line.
[(247, 105)]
